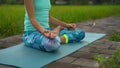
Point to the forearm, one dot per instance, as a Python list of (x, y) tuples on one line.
[(36, 25), (57, 22)]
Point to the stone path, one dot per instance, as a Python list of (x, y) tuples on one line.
[(82, 58)]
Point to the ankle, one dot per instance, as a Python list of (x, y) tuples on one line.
[(63, 40)]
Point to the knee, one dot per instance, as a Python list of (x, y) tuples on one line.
[(50, 44), (81, 35), (27, 41)]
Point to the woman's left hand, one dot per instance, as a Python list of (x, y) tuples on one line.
[(71, 26)]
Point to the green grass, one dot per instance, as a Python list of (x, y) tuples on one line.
[(111, 62), (12, 16), (11, 20), (74, 14), (115, 37)]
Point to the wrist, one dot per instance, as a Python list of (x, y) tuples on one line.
[(61, 27), (67, 25), (42, 30)]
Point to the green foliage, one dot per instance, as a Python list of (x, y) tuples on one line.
[(70, 2), (111, 62), (53, 1), (11, 1), (100, 58), (86, 2), (12, 16), (82, 13), (11, 20), (115, 36)]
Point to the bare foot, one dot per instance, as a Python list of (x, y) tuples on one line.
[(63, 40), (57, 30)]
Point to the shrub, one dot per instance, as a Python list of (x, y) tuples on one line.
[(111, 62)]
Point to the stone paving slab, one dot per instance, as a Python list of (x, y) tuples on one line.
[(82, 58), (61, 65), (67, 59), (86, 63), (5, 66), (85, 49), (10, 41), (82, 54)]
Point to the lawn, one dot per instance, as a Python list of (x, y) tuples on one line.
[(12, 16)]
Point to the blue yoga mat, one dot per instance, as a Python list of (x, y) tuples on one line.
[(25, 57)]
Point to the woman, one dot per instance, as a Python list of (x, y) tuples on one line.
[(37, 29)]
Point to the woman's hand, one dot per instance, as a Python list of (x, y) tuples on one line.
[(55, 32), (52, 33), (49, 34), (71, 26)]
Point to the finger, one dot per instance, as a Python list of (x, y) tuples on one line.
[(53, 35), (47, 33), (53, 32), (50, 35), (69, 25), (73, 26)]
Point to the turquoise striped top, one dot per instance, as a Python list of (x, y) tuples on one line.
[(42, 8)]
